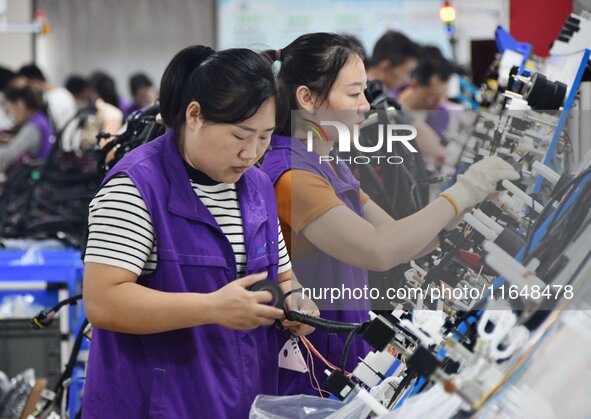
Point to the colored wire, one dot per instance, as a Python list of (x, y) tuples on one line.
[(311, 347), (312, 373), (319, 356)]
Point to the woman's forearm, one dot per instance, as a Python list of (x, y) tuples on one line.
[(133, 308), (351, 239), (404, 239)]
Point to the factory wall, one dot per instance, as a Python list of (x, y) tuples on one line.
[(121, 36)]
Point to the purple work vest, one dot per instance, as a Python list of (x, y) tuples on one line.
[(124, 106), (41, 122), (286, 154), (205, 371)]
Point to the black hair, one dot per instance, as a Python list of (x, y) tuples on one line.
[(33, 99), (6, 76), (360, 48), (31, 72), (431, 52), (313, 60), (105, 88), (433, 63), (230, 85), (76, 84), (394, 47), (137, 81)]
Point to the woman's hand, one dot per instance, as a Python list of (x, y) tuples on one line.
[(235, 307), (478, 183), (298, 302)]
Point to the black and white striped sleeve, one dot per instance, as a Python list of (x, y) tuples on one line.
[(120, 228), (284, 262)]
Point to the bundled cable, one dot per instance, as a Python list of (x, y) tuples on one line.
[(143, 126), (563, 227), (43, 320), (45, 317), (49, 199), (348, 342), (314, 321), (59, 389), (351, 329), (325, 324), (557, 195)]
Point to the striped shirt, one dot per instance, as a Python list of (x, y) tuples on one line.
[(121, 232)]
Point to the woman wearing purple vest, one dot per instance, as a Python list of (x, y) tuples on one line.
[(335, 233), (35, 135), (179, 230)]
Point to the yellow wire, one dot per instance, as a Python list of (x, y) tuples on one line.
[(39, 325)]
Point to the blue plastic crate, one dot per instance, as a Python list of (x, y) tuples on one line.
[(56, 266)]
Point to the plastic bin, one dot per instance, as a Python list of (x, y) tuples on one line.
[(57, 268), (52, 276), (22, 347)]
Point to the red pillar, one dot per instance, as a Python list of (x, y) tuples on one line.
[(538, 22)]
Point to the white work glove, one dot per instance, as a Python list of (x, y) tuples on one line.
[(479, 181)]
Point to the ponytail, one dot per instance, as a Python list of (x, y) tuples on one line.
[(313, 60), (174, 80), (230, 85)]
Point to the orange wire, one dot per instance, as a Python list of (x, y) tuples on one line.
[(312, 373), (315, 352)]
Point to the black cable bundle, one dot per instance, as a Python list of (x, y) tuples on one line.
[(332, 326), (345, 355), (386, 184), (49, 199), (401, 387), (59, 390), (59, 387), (143, 126), (557, 195), (562, 231), (399, 189), (325, 324), (45, 317)]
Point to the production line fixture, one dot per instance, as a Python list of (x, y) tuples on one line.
[(503, 283), (506, 281), (475, 349)]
